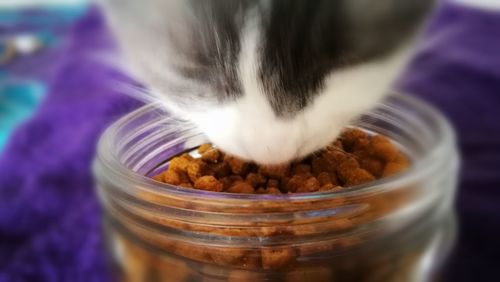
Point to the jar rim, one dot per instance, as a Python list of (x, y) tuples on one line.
[(108, 159)]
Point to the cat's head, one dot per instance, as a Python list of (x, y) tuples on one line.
[(267, 80)]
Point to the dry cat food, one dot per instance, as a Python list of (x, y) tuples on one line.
[(356, 157)]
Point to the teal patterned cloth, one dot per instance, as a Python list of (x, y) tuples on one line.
[(18, 100), (31, 32)]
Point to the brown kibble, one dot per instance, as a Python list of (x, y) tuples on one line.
[(295, 182), (335, 146), (355, 158), (330, 187), (384, 151), (274, 171), (273, 190), (208, 183), (211, 156), (196, 169), (171, 177), (335, 157), (301, 169), (221, 170), (186, 185), (179, 163), (356, 177), (205, 147), (374, 166), (241, 187), (310, 185), (261, 190), (393, 168), (402, 159), (256, 179), (327, 178), (158, 177), (348, 164), (230, 180), (184, 177), (238, 166), (270, 190), (321, 165), (274, 258), (378, 139), (273, 183), (352, 137)]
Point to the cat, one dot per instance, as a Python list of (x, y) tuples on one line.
[(267, 80)]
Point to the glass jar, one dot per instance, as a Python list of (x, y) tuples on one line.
[(395, 229)]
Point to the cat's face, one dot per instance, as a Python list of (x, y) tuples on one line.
[(267, 80)]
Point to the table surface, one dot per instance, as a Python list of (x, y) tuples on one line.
[(49, 214)]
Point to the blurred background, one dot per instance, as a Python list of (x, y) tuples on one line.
[(56, 98)]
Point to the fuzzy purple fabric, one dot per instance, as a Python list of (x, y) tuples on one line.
[(49, 214), (458, 71)]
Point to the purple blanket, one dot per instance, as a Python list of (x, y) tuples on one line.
[(49, 214)]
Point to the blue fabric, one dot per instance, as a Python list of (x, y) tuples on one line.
[(20, 92), (18, 100)]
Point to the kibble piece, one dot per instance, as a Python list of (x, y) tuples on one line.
[(220, 170), (328, 187), (301, 169), (295, 182), (335, 146), (184, 177), (325, 178), (310, 185), (179, 163), (273, 183), (186, 185), (374, 166), (352, 137), (346, 168), (261, 190), (241, 187), (357, 177), (208, 183), (274, 258), (256, 179), (393, 168), (171, 177), (238, 166), (225, 256), (320, 165), (211, 156), (273, 190), (228, 181), (275, 172), (361, 145), (334, 158), (382, 148), (158, 177), (196, 169), (205, 147), (402, 159)]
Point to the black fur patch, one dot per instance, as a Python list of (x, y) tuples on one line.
[(306, 40), (215, 45)]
